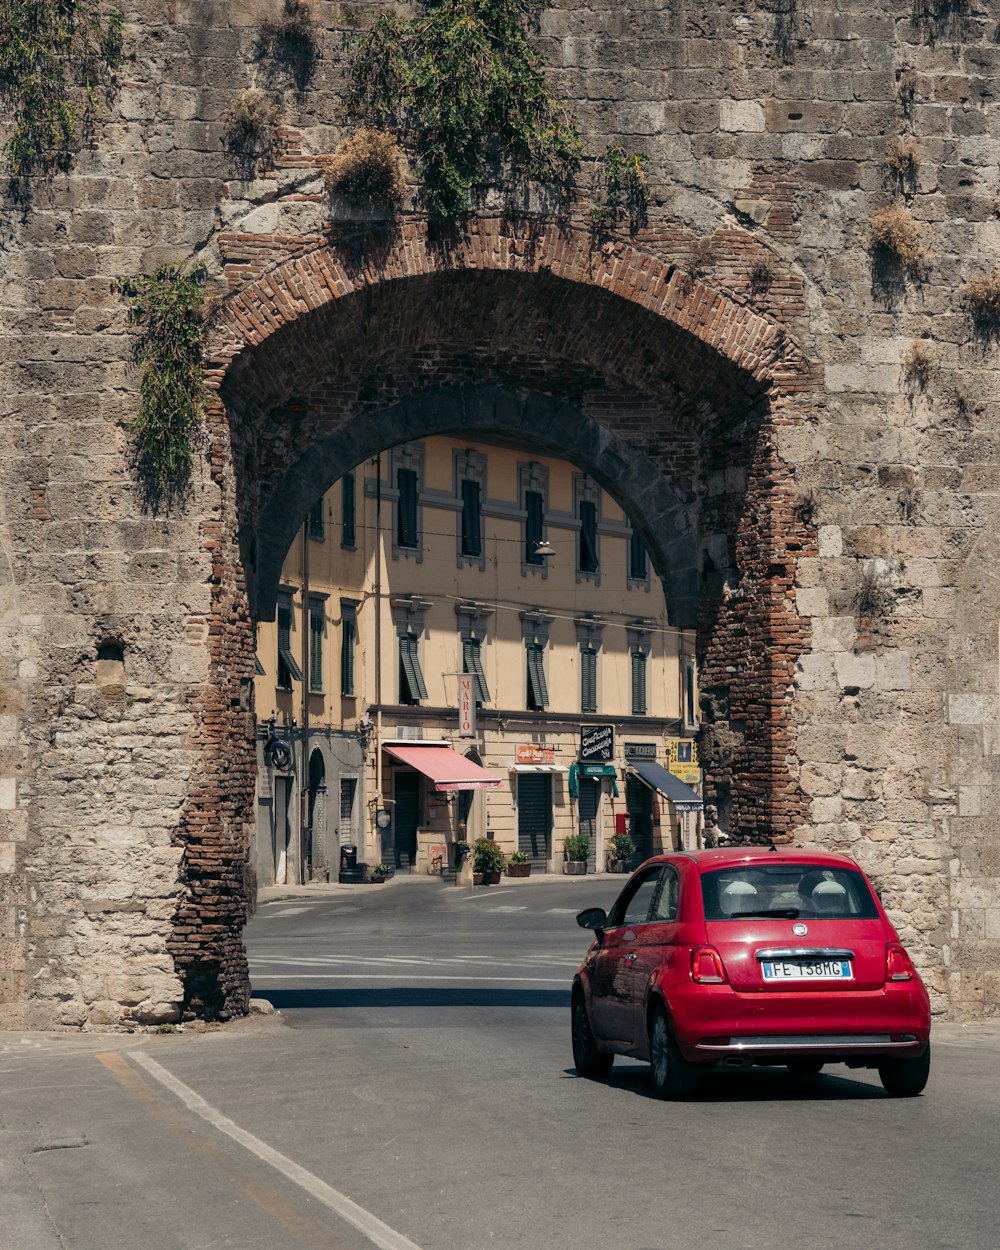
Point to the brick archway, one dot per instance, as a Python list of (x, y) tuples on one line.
[(671, 391)]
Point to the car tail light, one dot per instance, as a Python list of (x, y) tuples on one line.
[(897, 964), (706, 966)]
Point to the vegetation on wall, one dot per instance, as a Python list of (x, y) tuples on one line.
[(167, 308), (896, 237), (368, 164), (982, 298), (250, 127), (56, 59), (290, 44), (462, 87), (621, 188)]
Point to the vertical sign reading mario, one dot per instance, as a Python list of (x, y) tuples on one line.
[(466, 707)]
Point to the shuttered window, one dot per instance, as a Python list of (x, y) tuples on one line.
[(638, 683), (288, 670), (472, 524), (348, 638), (411, 679), (587, 546), (406, 508), (588, 679), (348, 534), (472, 662), (317, 519), (638, 568), (534, 523), (538, 695), (317, 630)]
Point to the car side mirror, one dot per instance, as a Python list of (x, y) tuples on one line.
[(592, 918)]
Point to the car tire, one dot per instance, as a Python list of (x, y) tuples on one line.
[(805, 1067), (905, 1078), (587, 1059), (674, 1077)]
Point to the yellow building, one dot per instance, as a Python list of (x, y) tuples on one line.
[(451, 605)]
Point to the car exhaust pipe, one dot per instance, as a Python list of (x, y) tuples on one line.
[(736, 1061)]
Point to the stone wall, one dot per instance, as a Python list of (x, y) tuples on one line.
[(833, 487)]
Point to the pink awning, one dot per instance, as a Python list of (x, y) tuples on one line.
[(445, 767)]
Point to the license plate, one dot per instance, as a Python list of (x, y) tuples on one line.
[(806, 969)]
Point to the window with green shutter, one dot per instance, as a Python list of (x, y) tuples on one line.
[(538, 695), (472, 520), (534, 525), (472, 662), (406, 508), (638, 683), (638, 563), (587, 544), (348, 639), (317, 632), (411, 678), (588, 679), (287, 670), (348, 535)]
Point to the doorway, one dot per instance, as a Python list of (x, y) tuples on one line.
[(534, 818), (407, 817)]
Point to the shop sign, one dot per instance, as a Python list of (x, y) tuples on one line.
[(682, 760), (466, 707), (640, 750), (597, 743), (533, 753)]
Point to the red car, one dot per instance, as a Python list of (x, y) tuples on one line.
[(742, 956)]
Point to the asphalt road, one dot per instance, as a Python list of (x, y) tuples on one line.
[(417, 1091)]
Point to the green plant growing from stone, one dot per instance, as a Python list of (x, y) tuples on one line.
[(463, 88), (873, 598), (621, 187), (167, 308), (761, 277), (57, 57)]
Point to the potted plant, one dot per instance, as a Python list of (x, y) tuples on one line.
[(620, 852), (518, 864), (576, 848), (488, 859), (378, 874)]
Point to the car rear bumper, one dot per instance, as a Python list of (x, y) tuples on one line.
[(709, 1027)]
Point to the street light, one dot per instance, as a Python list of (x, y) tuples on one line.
[(544, 548)]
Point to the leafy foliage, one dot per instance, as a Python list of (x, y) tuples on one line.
[(250, 124), (621, 186), (576, 847), (55, 58), (167, 307), (487, 856), (290, 45), (463, 88)]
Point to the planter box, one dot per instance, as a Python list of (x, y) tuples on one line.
[(617, 865), (575, 867), (518, 870), (491, 878)]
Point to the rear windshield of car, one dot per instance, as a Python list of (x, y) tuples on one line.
[(784, 889)]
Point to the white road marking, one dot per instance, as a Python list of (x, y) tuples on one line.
[(271, 913), (371, 1226), (508, 909)]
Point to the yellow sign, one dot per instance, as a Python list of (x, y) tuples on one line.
[(682, 760)]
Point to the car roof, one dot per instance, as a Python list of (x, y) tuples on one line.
[(733, 856)]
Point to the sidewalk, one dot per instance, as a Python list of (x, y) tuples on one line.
[(324, 889)]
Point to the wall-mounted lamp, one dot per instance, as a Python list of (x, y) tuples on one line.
[(544, 549)]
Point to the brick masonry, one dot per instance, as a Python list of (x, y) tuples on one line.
[(736, 369)]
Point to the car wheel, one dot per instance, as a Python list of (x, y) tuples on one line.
[(805, 1067), (673, 1076), (905, 1078), (587, 1059)]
